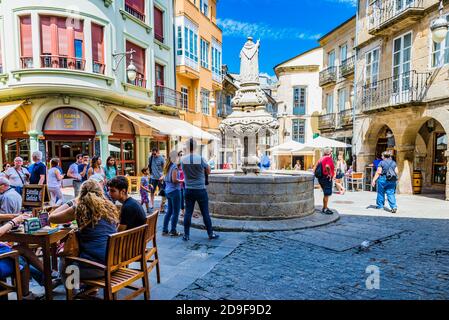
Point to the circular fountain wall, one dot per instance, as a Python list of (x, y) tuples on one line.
[(261, 197)]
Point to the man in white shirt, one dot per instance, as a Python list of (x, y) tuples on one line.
[(10, 200), (74, 174)]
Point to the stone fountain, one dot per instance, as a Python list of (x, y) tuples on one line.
[(249, 194)]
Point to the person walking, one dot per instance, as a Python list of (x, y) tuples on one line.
[(17, 175), (38, 173), (145, 189), (195, 169), (110, 169), (386, 177), (54, 183), (325, 173), (172, 178), (156, 167), (74, 174), (96, 168), (340, 175)]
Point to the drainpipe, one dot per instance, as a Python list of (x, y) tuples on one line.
[(354, 156)]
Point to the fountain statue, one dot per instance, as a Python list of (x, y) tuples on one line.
[(249, 194)]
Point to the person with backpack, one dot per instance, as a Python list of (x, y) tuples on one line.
[(386, 178), (325, 173)]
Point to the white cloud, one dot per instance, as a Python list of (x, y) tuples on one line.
[(352, 3), (233, 28)]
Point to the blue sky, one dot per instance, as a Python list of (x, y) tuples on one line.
[(285, 27)]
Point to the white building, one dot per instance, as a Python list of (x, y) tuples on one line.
[(298, 96)]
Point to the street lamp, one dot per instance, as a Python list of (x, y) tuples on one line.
[(131, 70), (440, 26)]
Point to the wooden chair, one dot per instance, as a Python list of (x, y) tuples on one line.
[(134, 184), (356, 179), (123, 249), (16, 284)]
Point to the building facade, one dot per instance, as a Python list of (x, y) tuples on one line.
[(299, 100), (64, 84), (199, 64), (403, 90), (337, 82)]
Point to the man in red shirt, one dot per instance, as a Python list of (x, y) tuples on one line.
[(326, 181)]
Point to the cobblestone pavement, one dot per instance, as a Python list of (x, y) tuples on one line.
[(411, 252)]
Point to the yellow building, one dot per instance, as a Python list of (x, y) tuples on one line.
[(198, 63)]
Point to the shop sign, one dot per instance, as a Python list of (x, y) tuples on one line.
[(68, 119)]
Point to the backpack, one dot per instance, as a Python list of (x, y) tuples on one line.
[(391, 173), (319, 171)]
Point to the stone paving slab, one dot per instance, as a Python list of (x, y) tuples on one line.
[(226, 225)]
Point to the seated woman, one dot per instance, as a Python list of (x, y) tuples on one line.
[(97, 218), (7, 265)]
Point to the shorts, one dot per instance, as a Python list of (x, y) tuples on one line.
[(156, 183), (326, 185)]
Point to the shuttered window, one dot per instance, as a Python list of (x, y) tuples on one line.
[(158, 24), (139, 62), (26, 46), (98, 48)]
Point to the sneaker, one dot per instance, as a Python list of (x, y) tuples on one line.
[(214, 236), (165, 233), (185, 238), (175, 234), (394, 210), (327, 211), (32, 296)]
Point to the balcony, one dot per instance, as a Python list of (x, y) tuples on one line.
[(328, 76), (326, 122), (408, 88), (345, 118), (168, 97), (140, 81), (26, 62), (347, 67), (139, 15), (224, 110), (389, 16), (98, 67), (62, 62), (299, 110)]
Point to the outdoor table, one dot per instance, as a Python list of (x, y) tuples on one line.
[(48, 244)]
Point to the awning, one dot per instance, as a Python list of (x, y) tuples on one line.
[(322, 142), (167, 126), (8, 107), (292, 148)]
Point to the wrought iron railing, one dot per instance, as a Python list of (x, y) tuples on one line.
[(328, 75), (62, 62), (408, 87), (347, 67), (383, 11), (326, 121), (345, 118), (26, 62), (98, 67), (168, 97), (139, 15), (140, 81)]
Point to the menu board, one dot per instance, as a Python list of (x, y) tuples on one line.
[(33, 195)]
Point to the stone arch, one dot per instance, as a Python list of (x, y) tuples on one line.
[(14, 122), (113, 117)]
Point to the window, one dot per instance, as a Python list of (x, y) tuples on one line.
[(372, 68), (57, 48), (185, 98), (331, 59), (136, 8), (26, 45), (298, 130), (439, 159), (97, 49), (204, 7), (330, 103), (158, 24), (159, 70), (341, 99), (440, 51), (204, 54), (205, 101), (343, 53), (139, 62), (179, 49), (216, 60), (402, 47), (191, 44), (299, 101)]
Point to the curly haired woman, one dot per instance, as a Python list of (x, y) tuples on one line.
[(97, 218)]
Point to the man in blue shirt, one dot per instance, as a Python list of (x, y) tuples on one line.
[(156, 167), (39, 169), (74, 174), (84, 167)]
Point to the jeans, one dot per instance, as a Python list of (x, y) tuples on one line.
[(174, 205), (183, 198), (200, 196), (386, 187)]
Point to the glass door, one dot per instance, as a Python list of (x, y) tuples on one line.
[(439, 159), (401, 68)]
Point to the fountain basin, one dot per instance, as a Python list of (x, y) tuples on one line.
[(267, 196)]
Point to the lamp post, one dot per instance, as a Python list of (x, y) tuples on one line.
[(131, 70), (440, 26)]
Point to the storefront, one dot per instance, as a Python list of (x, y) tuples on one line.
[(122, 144), (66, 133), (15, 142)]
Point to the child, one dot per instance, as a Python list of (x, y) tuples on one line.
[(145, 188)]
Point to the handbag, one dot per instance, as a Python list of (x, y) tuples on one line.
[(69, 246)]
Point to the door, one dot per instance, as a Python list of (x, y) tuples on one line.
[(402, 68), (66, 151), (402, 5), (343, 53), (331, 59)]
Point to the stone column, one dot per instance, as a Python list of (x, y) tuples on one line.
[(404, 160), (104, 145), (140, 162), (34, 142), (447, 175)]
